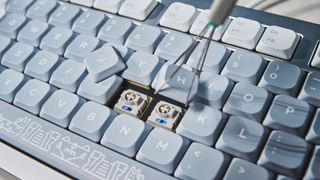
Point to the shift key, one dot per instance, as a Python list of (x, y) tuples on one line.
[(71, 154)]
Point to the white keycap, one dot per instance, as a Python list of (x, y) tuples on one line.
[(279, 42), (243, 32), (316, 59), (87, 3), (200, 23), (137, 9), (178, 16), (111, 6)]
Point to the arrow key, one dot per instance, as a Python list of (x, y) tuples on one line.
[(243, 170), (202, 162)]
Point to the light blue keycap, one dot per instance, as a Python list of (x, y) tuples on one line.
[(80, 47), (61, 107), (177, 88), (288, 114), (144, 38), (56, 40), (10, 83), (32, 32), (103, 63), (68, 75), (173, 45), (142, 68), (5, 41), (314, 130), (101, 92), (64, 15), (162, 150), (310, 91), (282, 177), (213, 89), (76, 146), (202, 162), (248, 101), (242, 137), (285, 154), (244, 67), (314, 165), (202, 123), (19, 6), (123, 51), (243, 170), (282, 78), (32, 95), (215, 60), (42, 65), (41, 9), (17, 56), (92, 120), (89, 22), (125, 134), (115, 30), (10, 25)]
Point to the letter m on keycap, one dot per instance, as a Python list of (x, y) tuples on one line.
[(162, 146)]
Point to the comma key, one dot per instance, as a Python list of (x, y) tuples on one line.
[(202, 162)]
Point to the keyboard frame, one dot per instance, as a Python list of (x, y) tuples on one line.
[(309, 32)]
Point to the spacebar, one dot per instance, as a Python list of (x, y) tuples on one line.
[(68, 152)]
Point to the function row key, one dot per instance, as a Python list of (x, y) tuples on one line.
[(178, 16), (243, 32), (202, 20), (135, 9), (275, 41)]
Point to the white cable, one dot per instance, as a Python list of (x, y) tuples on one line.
[(220, 11), (254, 3)]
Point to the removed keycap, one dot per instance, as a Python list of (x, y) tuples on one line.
[(103, 63)]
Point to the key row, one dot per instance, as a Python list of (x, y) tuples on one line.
[(245, 33), (90, 21), (279, 77), (131, 137), (43, 67), (61, 106), (136, 9)]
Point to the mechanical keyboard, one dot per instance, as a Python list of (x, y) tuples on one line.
[(77, 83)]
